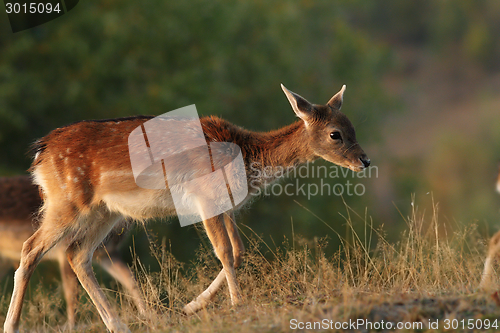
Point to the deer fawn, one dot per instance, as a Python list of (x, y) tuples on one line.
[(85, 173), (19, 205), (487, 282)]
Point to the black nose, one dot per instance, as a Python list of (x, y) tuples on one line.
[(365, 160)]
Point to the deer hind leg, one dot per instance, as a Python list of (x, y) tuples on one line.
[(80, 253), (487, 281), (115, 267), (238, 249), (70, 288), (55, 226)]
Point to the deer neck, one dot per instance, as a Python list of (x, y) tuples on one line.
[(281, 149)]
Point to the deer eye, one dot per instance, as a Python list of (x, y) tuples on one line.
[(335, 135)]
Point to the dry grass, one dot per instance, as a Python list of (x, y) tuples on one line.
[(422, 277)]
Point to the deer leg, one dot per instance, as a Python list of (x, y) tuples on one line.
[(52, 230), (115, 267), (70, 288), (487, 282), (237, 250), (234, 237), (218, 235), (80, 254)]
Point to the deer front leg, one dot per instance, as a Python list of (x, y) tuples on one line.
[(487, 282), (218, 235), (234, 237), (224, 236)]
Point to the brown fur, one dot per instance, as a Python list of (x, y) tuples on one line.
[(19, 205), (487, 280), (85, 173), (19, 200)]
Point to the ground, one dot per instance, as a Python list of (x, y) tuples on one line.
[(420, 281)]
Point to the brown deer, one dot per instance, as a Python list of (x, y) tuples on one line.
[(20, 202), (85, 173), (487, 281)]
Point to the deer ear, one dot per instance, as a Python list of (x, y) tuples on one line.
[(336, 101), (302, 108)]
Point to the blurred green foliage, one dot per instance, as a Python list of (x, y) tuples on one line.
[(462, 172), (451, 28), (108, 60)]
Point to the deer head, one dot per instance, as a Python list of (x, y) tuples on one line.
[(331, 135)]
